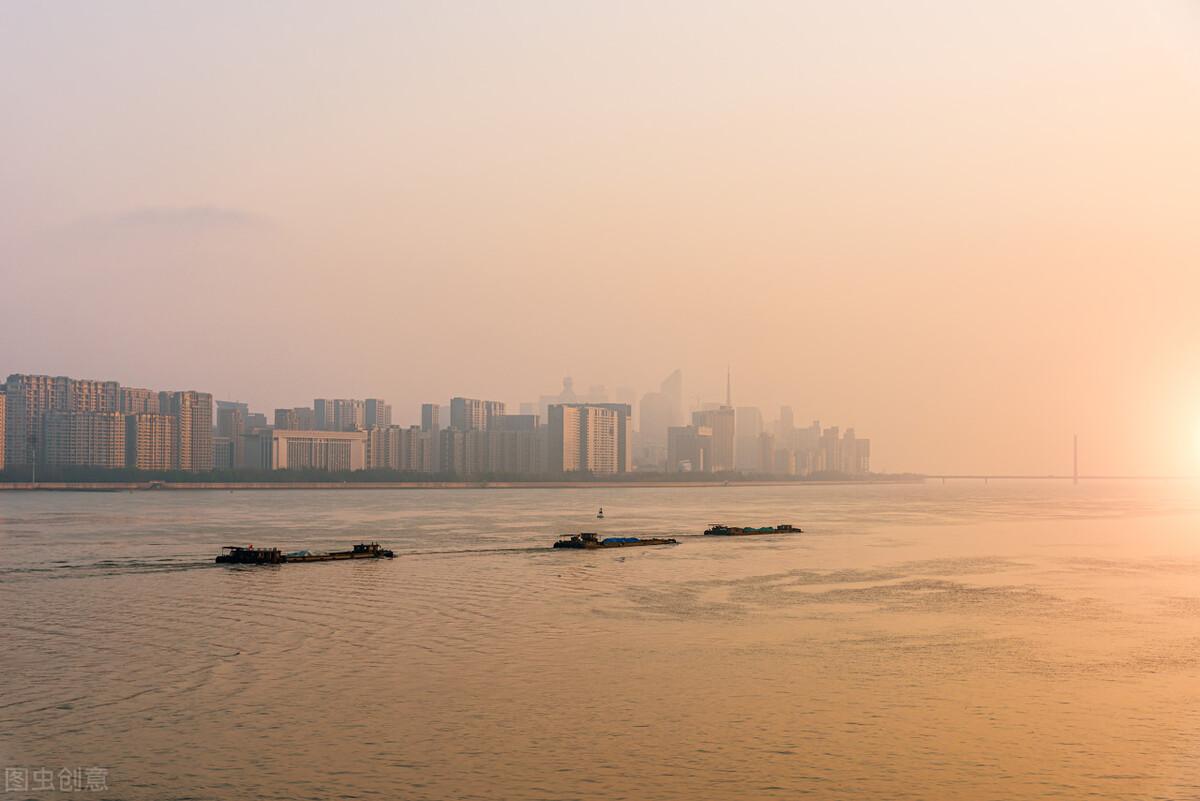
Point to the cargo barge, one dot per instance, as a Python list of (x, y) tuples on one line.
[(237, 555), (589, 541), (720, 530)]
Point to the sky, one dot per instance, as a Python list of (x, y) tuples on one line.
[(968, 230)]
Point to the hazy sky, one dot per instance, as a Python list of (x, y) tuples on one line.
[(968, 230)]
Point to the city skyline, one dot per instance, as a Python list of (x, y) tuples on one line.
[(966, 229), (66, 422)]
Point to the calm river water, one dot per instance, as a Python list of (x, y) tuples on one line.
[(1003, 641)]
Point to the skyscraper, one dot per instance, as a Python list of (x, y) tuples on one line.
[(749, 423), (149, 441), (323, 414), (656, 415), (430, 417), (193, 413), (469, 414), (583, 438), (31, 397), (138, 401), (672, 387), (84, 439), (722, 423), (377, 413), (624, 434), (787, 424)]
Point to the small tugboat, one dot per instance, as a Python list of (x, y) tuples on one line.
[(589, 540), (237, 555), (719, 530)]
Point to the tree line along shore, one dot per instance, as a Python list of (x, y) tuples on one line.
[(95, 479)]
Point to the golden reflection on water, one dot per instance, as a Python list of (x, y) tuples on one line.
[(1017, 642)]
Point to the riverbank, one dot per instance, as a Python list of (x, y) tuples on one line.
[(130, 486)]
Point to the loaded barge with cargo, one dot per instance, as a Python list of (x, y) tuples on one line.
[(589, 541), (237, 555), (720, 530)]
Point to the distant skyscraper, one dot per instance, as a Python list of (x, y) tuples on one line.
[(31, 397), (766, 453), (352, 415), (722, 422), (656, 413), (84, 439), (749, 426), (339, 414), (2, 426), (193, 413), (221, 405), (138, 401), (150, 441), (430, 417), (469, 414), (624, 434), (377, 413), (582, 438), (672, 387), (787, 422), (300, 418), (323, 413)]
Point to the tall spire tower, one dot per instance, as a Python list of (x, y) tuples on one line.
[(728, 387)]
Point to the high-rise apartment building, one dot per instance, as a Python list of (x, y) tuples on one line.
[(139, 401), (339, 414), (300, 418), (722, 422), (31, 397), (84, 439), (150, 441), (376, 413), (463, 452), (351, 415), (323, 414), (469, 414), (624, 434), (430, 418), (2, 425), (582, 438), (193, 413), (408, 449)]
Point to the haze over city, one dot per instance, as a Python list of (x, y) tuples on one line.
[(966, 232)]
